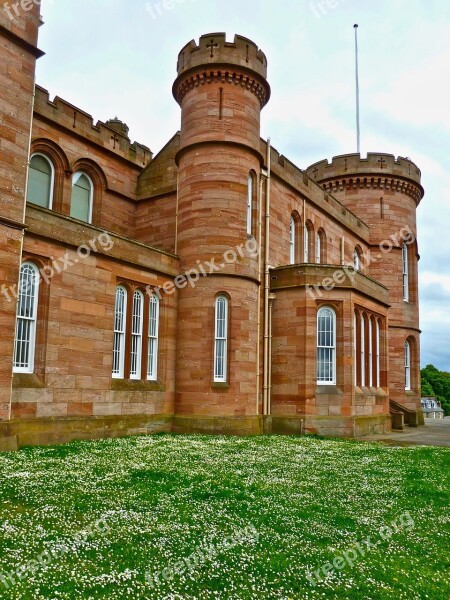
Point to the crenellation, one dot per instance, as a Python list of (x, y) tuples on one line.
[(64, 114), (213, 49)]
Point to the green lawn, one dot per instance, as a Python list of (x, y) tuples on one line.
[(212, 517)]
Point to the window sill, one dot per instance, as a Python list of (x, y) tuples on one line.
[(27, 380), (220, 385), (138, 385)]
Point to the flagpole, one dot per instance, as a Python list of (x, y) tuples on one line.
[(358, 130)]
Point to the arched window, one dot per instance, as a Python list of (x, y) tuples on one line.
[(309, 243), (363, 352), (378, 378), (370, 351), (326, 346), (136, 335), (318, 248), (153, 334), (292, 241), (25, 338), (305, 244), (82, 195), (120, 323), (357, 259), (249, 204), (221, 339), (40, 181), (407, 365), (405, 259)]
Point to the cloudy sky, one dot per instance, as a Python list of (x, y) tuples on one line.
[(118, 57)]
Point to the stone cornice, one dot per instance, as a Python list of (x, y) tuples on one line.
[(12, 224), (374, 182), (231, 74), (13, 37)]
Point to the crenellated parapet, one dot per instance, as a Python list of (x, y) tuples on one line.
[(378, 171), (240, 62), (112, 135)]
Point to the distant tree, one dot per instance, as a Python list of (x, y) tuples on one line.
[(436, 383)]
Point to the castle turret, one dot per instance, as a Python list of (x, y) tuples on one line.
[(385, 192), (221, 88)]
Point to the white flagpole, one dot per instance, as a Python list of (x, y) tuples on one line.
[(358, 131)]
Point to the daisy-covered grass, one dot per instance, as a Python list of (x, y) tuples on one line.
[(110, 516)]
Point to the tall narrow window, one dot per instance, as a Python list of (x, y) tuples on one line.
[(249, 204), (405, 273), (370, 349), (378, 382), (306, 244), (136, 335), (356, 260), (318, 248), (82, 194), (407, 366), (363, 352), (25, 339), (153, 333), (120, 322), (221, 339), (292, 241), (355, 348), (40, 181), (326, 346)]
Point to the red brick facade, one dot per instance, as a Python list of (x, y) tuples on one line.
[(189, 211)]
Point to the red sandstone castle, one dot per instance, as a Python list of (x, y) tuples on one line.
[(214, 287)]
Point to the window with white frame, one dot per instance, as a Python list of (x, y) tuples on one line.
[(305, 244), (153, 334), (405, 273), (82, 196), (363, 352), (249, 204), (120, 323), (25, 338), (407, 366), (378, 382), (292, 241), (136, 335), (41, 177), (318, 248), (221, 339), (370, 353), (326, 346)]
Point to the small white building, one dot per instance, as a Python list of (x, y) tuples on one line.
[(431, 408)]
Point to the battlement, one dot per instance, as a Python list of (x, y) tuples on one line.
[(112, 135), (348, 165), (213, 49)]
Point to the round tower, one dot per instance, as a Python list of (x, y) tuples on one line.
[(221, 88), (385, 193)]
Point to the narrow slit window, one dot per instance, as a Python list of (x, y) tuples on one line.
[(221, 340), (153, 337), (120, 321), (25, 338), (136, 335), (326, 346)]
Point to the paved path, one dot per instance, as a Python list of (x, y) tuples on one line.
[(436, 432)]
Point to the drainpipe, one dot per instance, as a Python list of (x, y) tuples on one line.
[(258, 341), (267, 288), (269, 395), (176, 211), (24, 214)]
